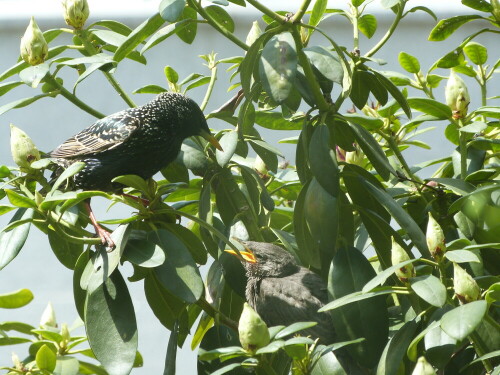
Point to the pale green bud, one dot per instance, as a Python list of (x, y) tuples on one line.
[(18, 365), (399, 255), (65, 332), (260, 166), (355, 157), (495, 4), (75, 12), (435, 238), (457, 95), (34, 47), (48, 318), (252, 330), (466, 288), (24, 151), (423, 368), (253, 34)]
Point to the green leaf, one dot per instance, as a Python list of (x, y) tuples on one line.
[(15, 299), (394, 91), (397, 78), (133, 181), (367, 24), (423, 9), (278, 66), (360, 88), (395, 350), (456, 185), (142, 252), (66, 252), (33, 75), (462, 256), (68, 173), (12, 241), (79, 294), (389, 3), (192, 242), (228, 143), (349, 272), (372, 150), (463, 320), (137, 36), (102, 264), (179, 273), (171, 355), (448, 26), (325, 62), (431, 107), (317, 12), (221, 17), (166, 32), (111, 325), (293, 328), (171, 10), (384, 275), (166, 306), (275, 121), (7, 86), (430, 289), (188, 33), (369, 123), (19, 200), (13, 340), (401, 216), (150, 89), (323, 161), (409, 62), (115, 26), (45, 359), (477, 53), (481, 5), (66, 366)]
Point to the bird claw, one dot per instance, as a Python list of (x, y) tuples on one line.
[(106, 239)]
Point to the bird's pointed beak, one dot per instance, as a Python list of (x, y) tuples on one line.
[(246, 255), (209, 137)]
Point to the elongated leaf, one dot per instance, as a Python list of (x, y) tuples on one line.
[(462, 256), (367, 24), (171, 355), (401, 216), (171, 10), (369, 123), (164, 33), (22, 102), (384, 275), (317, 13), (349, 272), (323, 161), (111, 325), (66, 252), (463, 320), (228, 143), (448, 26), (68, 173), (326, 63), (360, 88), (137, 36), (430, 289), (188, 32), (431, 107), (394, 91), (278, 66), (7, 86), (221, 17), (12, 241), (142, 252), (15, 299), (293, 328), (179, 273), (395, 350), (19, 200), (372, 150)]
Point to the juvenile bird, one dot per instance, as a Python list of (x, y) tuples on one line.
[(138, 141), (283, 292)]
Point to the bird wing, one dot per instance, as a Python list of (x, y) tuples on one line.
[(103, 135), (286, 300)]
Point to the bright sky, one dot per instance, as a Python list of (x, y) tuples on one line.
[(20, 9)]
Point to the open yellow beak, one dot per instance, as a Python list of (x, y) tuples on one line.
[(209, 137), (247, 255)]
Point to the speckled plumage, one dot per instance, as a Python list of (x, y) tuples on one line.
[(138, 141), (283, 292)]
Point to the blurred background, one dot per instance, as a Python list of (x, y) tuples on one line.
[(51, 121)]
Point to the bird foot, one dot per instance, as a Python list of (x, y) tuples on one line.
[(105, 237)]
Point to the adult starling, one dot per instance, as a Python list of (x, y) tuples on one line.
[(283, 292), (138, 141)]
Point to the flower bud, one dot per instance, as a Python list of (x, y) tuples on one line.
[(24, 151), (466, 288), (435, 238), (48, 318), (260, 166), (18, 365), (34, 47), (399, 255), (495, 5), (340, 153), (423, 368), (75, 12), (355, 157), (457, 95), (253, 34), (252, 330)]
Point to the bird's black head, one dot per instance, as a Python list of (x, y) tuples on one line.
[(183, 115), (262, 259)]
